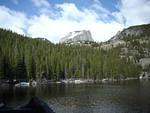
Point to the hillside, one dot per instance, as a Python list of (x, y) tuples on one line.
[(134, 44), (26, 58), (136, 32)]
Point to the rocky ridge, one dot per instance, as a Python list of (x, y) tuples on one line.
[(77, 36), (134, 45), (139, 31)]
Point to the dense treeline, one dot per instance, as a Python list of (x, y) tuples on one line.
[(22, 57)]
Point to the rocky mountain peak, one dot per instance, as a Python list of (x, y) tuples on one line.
[(77, 36)]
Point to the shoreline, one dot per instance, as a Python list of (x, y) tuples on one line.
[(34, 83)]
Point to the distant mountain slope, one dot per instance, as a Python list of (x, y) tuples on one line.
[(139, 31), (77, 36), (133, 44)]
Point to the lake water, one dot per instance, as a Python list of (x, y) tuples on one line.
[(124, 97)]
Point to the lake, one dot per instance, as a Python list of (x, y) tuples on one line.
[(124, 97)]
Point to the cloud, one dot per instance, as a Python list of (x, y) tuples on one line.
[(133, 12), (70, 19), (41, 3), (13, 20), (55, 22)]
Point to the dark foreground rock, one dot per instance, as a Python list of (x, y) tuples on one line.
[(35, 105)]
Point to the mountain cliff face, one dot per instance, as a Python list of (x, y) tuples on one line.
[(140, 31), (133, 45), (77, 36)]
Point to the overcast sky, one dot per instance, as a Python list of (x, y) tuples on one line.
[(53, 19)]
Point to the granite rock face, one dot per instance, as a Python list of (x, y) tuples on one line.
[(141, 31), (77, 36)]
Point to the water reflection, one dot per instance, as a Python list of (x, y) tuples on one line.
[(122, 97)]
